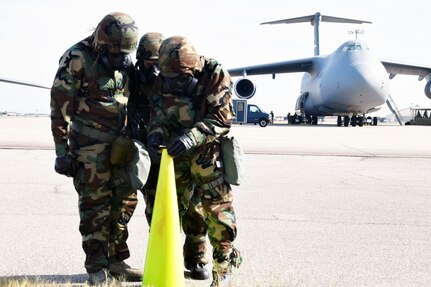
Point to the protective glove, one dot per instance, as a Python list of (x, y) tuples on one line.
[(154, 141), (180, 145), (65, 165)]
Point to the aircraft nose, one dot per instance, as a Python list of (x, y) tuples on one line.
[(365, 85)]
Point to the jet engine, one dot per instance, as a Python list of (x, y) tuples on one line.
[(428, 89), (244, 88)]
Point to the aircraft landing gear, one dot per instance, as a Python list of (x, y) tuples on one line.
[(354, 121), (297, 119)]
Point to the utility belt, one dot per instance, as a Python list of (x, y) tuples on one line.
[(212, 184), (93, 133)]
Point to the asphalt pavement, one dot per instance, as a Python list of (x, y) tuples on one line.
[(319, 206)]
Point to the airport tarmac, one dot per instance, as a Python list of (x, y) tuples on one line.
[(319, 206)]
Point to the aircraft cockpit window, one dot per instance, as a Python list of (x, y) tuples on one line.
[(355, 46)]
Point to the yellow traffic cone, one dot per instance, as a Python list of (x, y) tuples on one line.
[(164, 261)]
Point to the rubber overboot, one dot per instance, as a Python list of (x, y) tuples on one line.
[(221, 280), (123, 271), (102, 278), (197, 271), (222, 271)]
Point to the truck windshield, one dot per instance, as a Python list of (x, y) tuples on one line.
[(254, 109)]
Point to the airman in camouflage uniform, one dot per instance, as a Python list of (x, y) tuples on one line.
[(140, 105), (140, 108), (88, 112), (195, 109)]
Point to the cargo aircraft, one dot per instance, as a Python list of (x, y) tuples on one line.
[(349, 83)]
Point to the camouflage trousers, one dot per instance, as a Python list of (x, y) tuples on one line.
[(104, 210), (205, 204), (195, 246)]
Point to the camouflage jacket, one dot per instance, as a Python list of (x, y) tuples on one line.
[(206, 114), (86, 93)]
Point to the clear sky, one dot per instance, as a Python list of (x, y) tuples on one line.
[(34, 34)]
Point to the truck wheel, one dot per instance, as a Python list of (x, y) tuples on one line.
[(263, 123)]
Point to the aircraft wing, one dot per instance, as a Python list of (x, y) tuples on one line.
[(406, 69), (294, 66), (10, 81)]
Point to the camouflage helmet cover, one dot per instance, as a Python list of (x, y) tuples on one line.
[(149, 45), (177, 56), (117, 30)]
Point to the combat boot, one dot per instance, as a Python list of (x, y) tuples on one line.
[(102, 278), (123, 271), (197, 271)]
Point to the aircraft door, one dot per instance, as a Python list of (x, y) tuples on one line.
[(300, 102)]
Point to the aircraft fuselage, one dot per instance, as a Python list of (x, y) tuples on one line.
[(349, 81)]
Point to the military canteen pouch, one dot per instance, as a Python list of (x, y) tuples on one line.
[(232, 159), (133, 166), (121, 151)]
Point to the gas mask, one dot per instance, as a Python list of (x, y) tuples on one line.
[(183, 86), (147, 76), (118, 61)]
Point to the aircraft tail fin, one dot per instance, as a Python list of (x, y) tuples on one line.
[(311, 19), (343, 20), (314, 20)]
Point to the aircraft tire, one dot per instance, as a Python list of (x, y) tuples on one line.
[(346, 121), (353, 121)]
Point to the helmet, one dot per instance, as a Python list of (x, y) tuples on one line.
[(116, 30), (177, 56), (149, 45)]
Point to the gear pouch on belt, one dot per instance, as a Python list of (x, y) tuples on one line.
[(136, 171), (232, 155), (139, 166), (122, 151)]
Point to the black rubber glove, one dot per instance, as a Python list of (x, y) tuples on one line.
[(65, 165), (153, 146), (180, 145)]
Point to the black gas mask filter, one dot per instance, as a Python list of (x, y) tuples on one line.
[(147, 76), (179, 85), (115, 62)]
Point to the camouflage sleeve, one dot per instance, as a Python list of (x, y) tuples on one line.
[(65, 88), (218, 115)]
